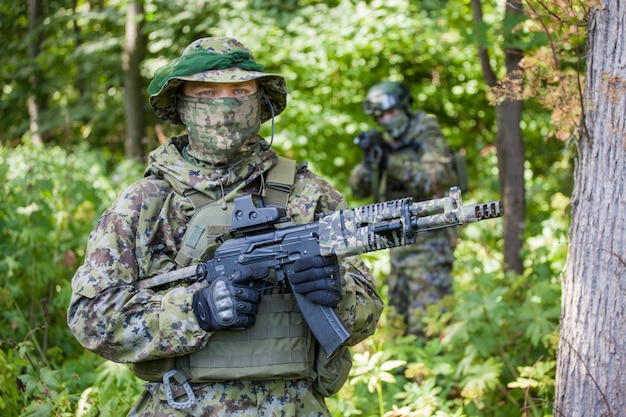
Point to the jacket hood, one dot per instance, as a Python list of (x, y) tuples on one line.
[(167, 162)]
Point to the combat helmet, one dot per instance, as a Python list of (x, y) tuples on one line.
[(386, 96), (219, 60)]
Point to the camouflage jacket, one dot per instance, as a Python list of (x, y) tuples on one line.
[(420, 164), (138, 236)]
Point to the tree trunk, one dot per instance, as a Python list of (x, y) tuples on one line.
[(510, 150), (134, 52), (509, 140), (591, 357), (35, 16), (511, 154)]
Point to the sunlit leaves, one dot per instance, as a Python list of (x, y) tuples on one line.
[(373, 369)]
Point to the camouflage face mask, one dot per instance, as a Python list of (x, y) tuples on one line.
[(218, 128), (396, 125)]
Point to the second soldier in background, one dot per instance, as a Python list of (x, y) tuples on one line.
[(411, 158)]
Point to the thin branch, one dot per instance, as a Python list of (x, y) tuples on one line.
[(554, 16), (483, 53), (547, 32)]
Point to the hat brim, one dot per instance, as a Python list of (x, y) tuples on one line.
[(273, 85)]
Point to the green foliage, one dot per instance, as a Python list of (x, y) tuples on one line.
[(9, 391), (51, 199), (374, 370), (113, 392)]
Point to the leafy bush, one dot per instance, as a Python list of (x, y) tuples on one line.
[(51, 199)]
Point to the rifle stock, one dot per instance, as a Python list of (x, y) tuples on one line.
[(256, 242)]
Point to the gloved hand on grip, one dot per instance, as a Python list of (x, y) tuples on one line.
[(229, 302), (318, 279), (375, 148)]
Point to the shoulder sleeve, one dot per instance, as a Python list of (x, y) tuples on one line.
[(107, 314), (361, 305), (312, 195), (427, 169)]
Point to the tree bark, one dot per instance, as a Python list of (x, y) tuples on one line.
[(35, 16), (134, 52), (591, 357), (509, 141), (510, 150)]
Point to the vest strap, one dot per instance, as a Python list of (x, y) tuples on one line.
[(279, 182), (196, 198), (211, 220)]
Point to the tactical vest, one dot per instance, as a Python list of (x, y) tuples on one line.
[(211, 220), (279, 346)]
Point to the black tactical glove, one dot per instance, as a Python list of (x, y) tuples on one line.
[(318, 278), (375, 148), (229, 301)]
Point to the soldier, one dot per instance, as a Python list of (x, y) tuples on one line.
[(411, 159), (226, 348)]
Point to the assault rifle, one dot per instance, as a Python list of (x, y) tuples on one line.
[(375, 154), (255, 241)]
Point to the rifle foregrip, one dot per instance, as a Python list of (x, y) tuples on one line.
[(327, 328)]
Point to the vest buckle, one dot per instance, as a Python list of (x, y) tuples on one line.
[(183, 379)]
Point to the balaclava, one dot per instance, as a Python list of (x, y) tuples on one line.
[(220, 129)]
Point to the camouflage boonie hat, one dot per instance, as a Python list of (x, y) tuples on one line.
[(218, 60)]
